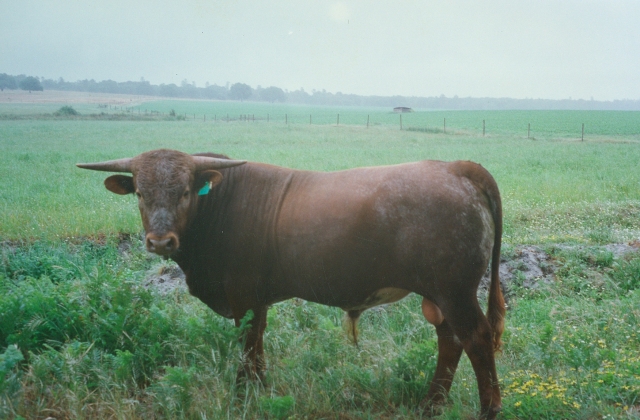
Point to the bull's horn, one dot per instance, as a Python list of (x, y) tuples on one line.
[(204, 162), (118, 165)]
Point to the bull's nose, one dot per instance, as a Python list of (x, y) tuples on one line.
[(164, 245)]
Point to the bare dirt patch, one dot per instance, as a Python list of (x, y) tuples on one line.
[(166, 278), (535, 267), (531, 262)]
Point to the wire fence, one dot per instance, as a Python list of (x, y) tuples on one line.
[(540, 124)]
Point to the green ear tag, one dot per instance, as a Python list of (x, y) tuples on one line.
[(205, 190)]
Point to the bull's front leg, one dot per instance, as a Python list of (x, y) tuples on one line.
[(253, 353)]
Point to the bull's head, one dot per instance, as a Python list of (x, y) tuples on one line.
[(167, 183)]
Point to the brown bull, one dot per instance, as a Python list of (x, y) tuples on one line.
[(352, 239)]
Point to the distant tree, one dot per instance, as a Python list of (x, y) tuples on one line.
[(215, 92), (7, 82), (273, 94), (108, 86), (240, 91), (299, 96), (188, 90), (170, 90), (143, 88), (30, 83)]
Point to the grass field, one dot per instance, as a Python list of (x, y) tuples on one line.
[(554, 190), (81, 336)]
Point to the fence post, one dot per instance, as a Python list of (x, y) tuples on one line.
[(529, 130), (582, 131), (444, 126), (286, 119), (482, 128), (400, 122), (367, 120), (338, 123)]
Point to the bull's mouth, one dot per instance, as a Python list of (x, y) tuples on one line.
[(164, 245)]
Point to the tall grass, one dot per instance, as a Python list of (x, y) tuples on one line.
[(81, 336)]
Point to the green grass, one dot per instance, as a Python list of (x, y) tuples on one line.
[(83, 336), (543, 124), (555, 190)]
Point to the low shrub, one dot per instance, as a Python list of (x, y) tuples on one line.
[(66, 111)]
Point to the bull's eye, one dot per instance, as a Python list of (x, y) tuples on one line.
[(139, 195)]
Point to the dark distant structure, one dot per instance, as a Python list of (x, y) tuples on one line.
[(400, 109)]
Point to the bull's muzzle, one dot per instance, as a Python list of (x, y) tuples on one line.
[(162, 245)]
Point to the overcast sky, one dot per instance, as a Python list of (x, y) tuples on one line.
[(520, 49)]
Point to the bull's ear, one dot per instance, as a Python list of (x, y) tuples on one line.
[(120, 184), (214, 177)]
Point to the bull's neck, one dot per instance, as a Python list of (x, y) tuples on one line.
[(236, 221)]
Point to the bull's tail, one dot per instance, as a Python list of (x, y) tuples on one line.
[(485, 182), (496, 310)]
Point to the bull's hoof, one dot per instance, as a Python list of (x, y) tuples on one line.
[(245, 376), (431, 408), (490, 413)]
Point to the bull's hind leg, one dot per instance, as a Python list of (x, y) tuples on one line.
[(474, 332), (449, 352)]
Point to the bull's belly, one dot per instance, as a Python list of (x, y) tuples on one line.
[(353, 298), (379, 297)]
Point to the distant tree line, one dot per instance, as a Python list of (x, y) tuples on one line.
[(244, 92), (21, 81)]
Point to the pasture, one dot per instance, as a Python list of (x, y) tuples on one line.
[(83, 334)]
